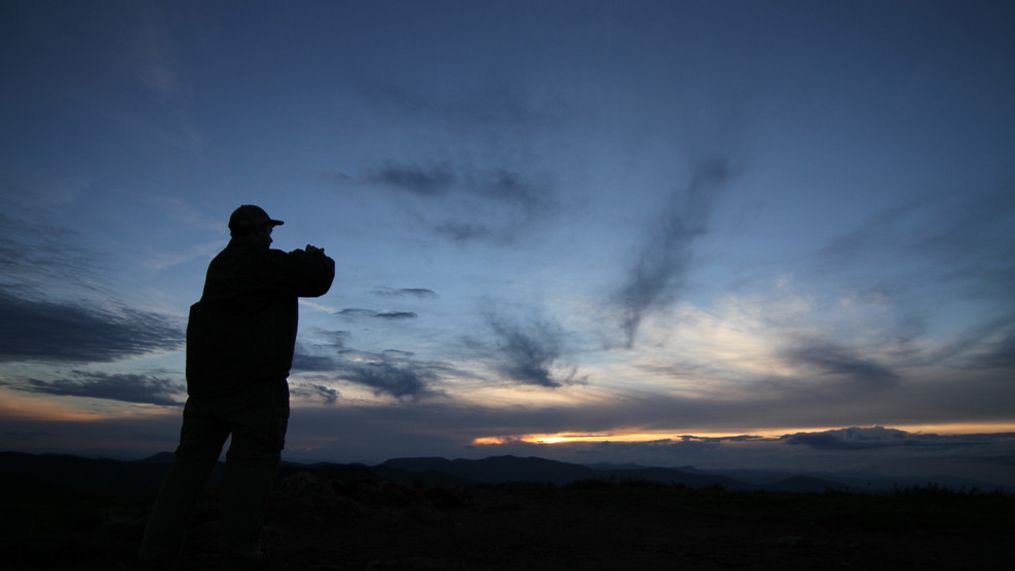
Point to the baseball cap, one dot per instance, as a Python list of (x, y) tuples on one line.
[(249, 215)]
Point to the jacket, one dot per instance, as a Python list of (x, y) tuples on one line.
[(243, 329)]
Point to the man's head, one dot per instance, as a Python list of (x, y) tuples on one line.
[(252, 223)]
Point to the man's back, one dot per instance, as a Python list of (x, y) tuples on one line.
[(244, 327)]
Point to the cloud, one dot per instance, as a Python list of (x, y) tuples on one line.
[(425, 181), (359, 312), (395, 379), (335, 338), (1004, 353), (53, 331), (314, 391), (331, 342), (477, 204), (40, 261), (931, 255), (999, 354), (859, 438), (664, 260), (306, 362), (405, 292), (134, 388), (830, 359), (37, 256), (882, 229), (396, 315), (391, 372), (527, 356), (512, 188)]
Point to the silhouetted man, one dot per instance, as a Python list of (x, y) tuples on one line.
[(240, 341)]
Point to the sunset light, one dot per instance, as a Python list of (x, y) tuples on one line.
[(743, 235), (768, 433), (507, 284)]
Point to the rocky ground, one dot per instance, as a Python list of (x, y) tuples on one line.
[(320, 524)]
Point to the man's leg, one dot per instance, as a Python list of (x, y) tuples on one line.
[(201, 440), (251, 464)]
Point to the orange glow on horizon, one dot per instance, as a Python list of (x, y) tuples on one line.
[(15, 406), (18, 407), (490, 440), (635, 435)]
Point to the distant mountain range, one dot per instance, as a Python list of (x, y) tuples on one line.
[(143, 477)]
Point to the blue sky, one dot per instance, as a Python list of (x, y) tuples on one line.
[(623, 220)]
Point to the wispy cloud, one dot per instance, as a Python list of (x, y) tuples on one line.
[(46, 280), (396, 315), (37, 256), (400, 380), (866, 438), (829, 359), (931, 255), (391, 315), (1003, 353), (304, 361), (357, 312), (135, 388), (405, 292), (53, 331), (485, 204), (314, 391), (391, 372), (528, 355), (662, 264), (425, 181)]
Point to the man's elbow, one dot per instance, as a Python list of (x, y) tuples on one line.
[(318, 288)]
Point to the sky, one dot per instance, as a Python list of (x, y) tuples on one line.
[(727, 234)]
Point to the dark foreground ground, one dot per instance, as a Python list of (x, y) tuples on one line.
[(319, 524)]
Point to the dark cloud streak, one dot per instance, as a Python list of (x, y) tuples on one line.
[(527, 355), (869, 438), (389, 315), (36, 256), (132, 388), (357, 312), (491, 205), (429, 181), (400, 381), (406, 292), (829, 358), (664, 260), (67, 332), (314, 390), (396, 315), (40, 261), (391, 372)]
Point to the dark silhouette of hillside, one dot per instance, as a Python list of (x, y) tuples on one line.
[(143, 477), (498, 469), (806, 484), (117, 477), (63, 512), (504, 469)]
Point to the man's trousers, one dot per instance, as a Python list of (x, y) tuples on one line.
[(257, 419)]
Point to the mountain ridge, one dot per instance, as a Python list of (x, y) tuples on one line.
[(144, 476)]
